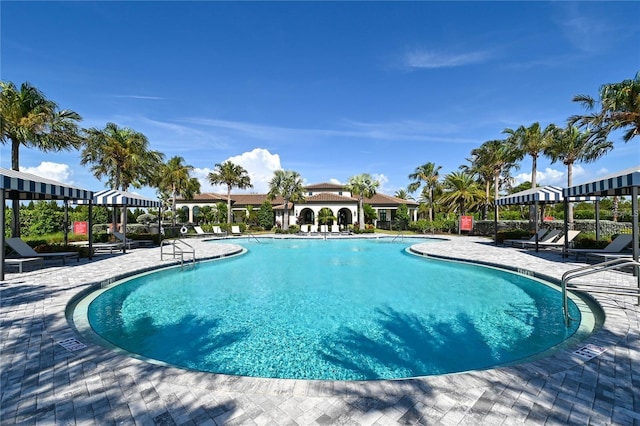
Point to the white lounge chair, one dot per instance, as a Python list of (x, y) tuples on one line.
[(324, 228), (313, 229), (201, 233), (335, 229), (614, 247), (235, 230), (540, 234), (218, 231), (304, 229), (24, 250), (551, 236), (559, 243)]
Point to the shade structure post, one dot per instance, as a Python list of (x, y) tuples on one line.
[(535, 225), (90, 230), (565, 251), (495, 223), (66, 221), (2, 200)]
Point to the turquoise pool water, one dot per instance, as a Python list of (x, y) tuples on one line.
[(338, 309)]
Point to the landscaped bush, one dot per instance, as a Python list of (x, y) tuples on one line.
[(513, 234), (590, 242)]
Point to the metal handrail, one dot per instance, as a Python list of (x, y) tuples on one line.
[(181, 252), (598, 288), (401, 235), (254, 237)]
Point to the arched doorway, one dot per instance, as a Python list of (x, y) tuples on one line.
[(307, 216), (345, 216)]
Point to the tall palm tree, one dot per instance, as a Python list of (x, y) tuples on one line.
[(288, 184), (233, 176), (498, 156), (619, 109), (461, 192), (28, 118), (363, 186), (122, 155), (571, 145), (427, 174), (175, 177), (531, 140), (403, 195)]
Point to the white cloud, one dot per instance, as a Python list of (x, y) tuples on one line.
[(335, 181), (550, 176), (428, 59), (383, 181), (55, 171), (259, 163)]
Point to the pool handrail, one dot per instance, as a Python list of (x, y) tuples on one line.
[(178, 251), (599, 288)]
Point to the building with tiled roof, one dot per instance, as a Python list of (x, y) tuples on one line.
[(323, 195)]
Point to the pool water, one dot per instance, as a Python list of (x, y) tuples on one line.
[(339, 310)]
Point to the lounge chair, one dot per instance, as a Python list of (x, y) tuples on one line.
[(559, 243), (218, 231), (551, 236), (313, 229), (22, 261), (615, 247), (304, 229), (335, 229), (201, 233), (131, 243), (324, 228), (235, 230), (24, 250), (540, 234)]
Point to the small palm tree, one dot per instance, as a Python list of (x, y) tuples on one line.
[(531, 140), (325, 215), (570, 145), (461, 192), (363, 186), (619, 109), (233, 176), (427, 174), (287, 184), (28, 118), (175, 177)]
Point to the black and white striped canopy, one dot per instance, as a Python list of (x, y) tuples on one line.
[(114, 197), (541, 195), (619, 183), (25, 186)]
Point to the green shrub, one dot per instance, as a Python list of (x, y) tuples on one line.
[(513, 234)]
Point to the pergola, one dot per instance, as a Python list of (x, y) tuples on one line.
[(539, 196), (116, 198), (15, 185), (622, 183)]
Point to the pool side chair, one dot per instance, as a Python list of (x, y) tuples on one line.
[(24, 250), (313, 229), (614, 247), (132, 243), (540, 234), (550, 237), (335, 229), (201, 233), (218, 231), (324, 229), (559, 243), (235, 230), (304, 229)]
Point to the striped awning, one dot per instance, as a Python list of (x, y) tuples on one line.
[(114, 197), (25, 186), (541, 195), (619, 183)]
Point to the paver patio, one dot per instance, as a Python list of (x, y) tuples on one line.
[(44, 383)]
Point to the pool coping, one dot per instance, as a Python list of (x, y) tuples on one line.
[(56, 328)]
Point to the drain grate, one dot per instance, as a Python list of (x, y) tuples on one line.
[(72, 344), (589, 351)]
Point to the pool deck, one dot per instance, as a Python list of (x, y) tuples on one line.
[(46, 383)]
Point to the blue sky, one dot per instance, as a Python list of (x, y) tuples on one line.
[(330, 90)]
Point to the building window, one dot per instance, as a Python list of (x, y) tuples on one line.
[(383, 215)]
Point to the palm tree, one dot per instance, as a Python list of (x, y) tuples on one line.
[(232, 175), (287, 184), (363, 186), (531, 140), (461, 192), (619, 109), (28, 118), (403, 195), (175, 177), (325, 215), (570, 145), (122, 155), (427, 173), (497, 157)]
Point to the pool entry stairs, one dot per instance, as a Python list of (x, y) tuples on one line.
[(178, 249), (609, 286)]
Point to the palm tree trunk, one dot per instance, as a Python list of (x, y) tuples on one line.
[(496, 184), (228, 204), (173, 203), (15, 204), (431, 204), (285, 218), (361, 213)]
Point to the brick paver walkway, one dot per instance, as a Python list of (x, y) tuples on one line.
[(44, 383)]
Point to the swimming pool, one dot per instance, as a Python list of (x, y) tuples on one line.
[(337, 310)]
